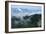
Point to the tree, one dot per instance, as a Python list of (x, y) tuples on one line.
[(35, 18)]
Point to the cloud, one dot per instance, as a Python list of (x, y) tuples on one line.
[(25, 10)]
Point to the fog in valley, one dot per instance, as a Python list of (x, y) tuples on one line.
[(25, 16)]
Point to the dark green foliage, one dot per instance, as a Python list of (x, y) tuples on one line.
[(35, 19), (26, 17)]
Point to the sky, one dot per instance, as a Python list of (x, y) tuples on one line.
[(22, 10)]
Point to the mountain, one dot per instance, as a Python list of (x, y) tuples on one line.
[(26, 21)]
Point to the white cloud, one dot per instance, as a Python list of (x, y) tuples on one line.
[(19, 9), (24, 14)]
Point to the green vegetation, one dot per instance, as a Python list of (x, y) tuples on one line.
[(26, 21)]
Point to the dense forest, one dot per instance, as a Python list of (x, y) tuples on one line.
[(26, 21)]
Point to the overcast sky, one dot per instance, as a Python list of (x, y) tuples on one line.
[(19, 10)]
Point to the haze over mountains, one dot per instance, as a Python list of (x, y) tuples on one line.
[(26, 21), (25, 10), (26, 16)]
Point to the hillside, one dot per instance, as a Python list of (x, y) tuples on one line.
[(26, 21)]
